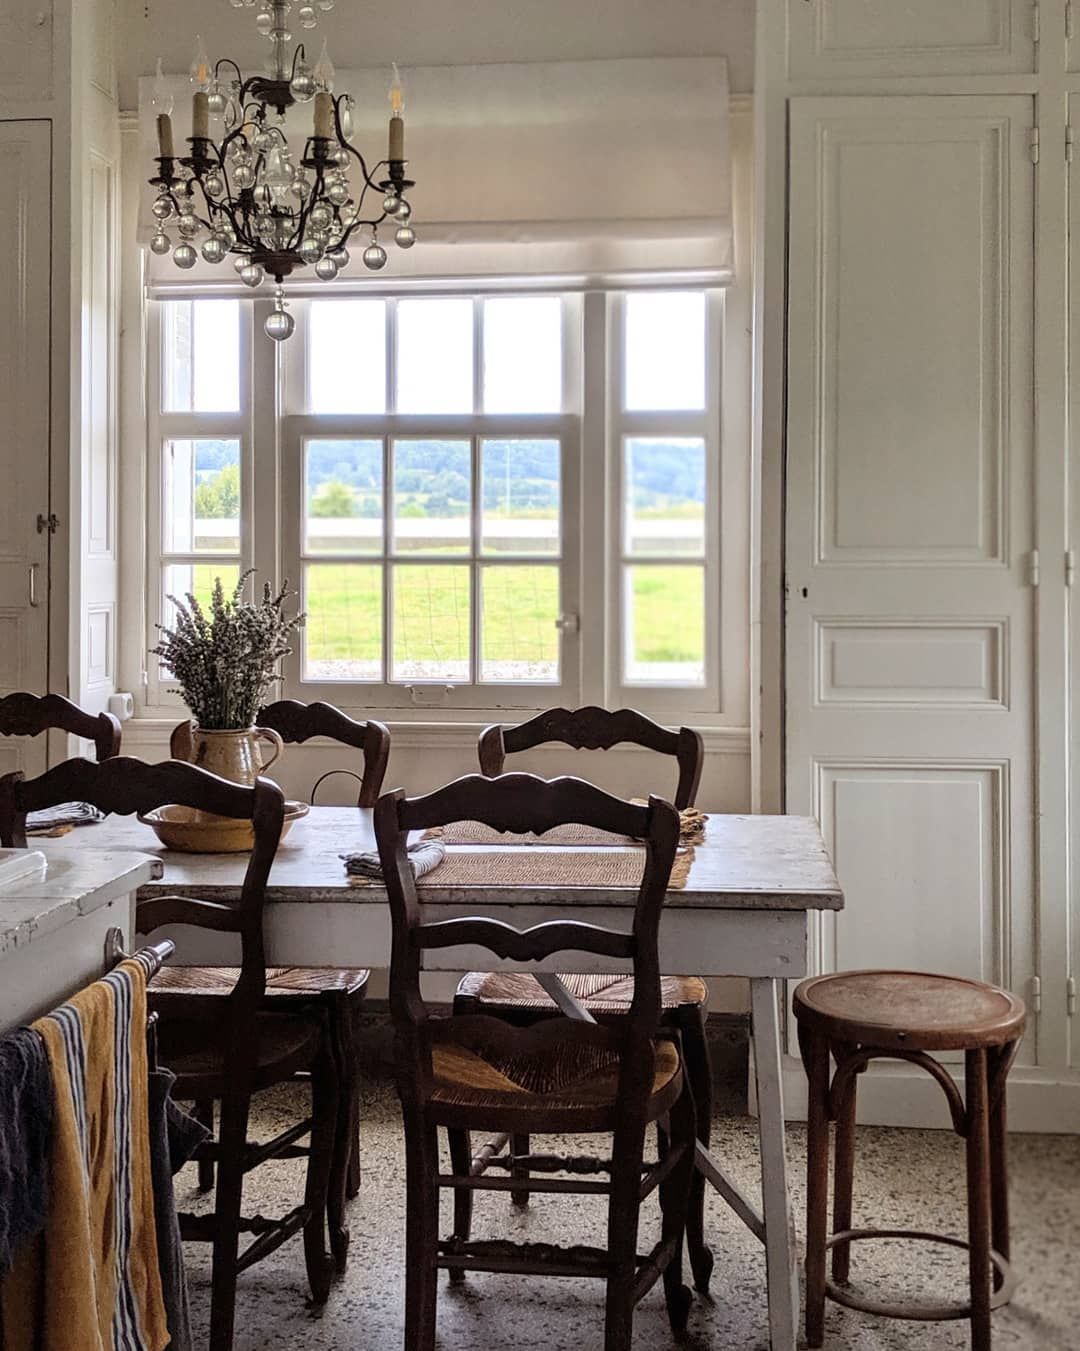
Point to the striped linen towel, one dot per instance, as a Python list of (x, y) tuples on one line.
[(424, 856), (91, 1281)]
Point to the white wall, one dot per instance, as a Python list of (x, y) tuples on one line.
[(450, 32)]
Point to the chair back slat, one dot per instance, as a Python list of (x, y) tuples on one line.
[(597, 729), (296, 722), (523, 803), (23, 714)]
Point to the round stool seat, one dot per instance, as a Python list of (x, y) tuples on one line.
[(909, 1010)]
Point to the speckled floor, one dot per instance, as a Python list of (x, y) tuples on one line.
[(909, 1178)]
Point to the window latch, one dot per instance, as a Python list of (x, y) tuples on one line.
[(429, 696), (569, 623)]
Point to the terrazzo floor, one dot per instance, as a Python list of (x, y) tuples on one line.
[(908, 1178)]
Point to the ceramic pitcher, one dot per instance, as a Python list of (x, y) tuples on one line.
[(237, 756)]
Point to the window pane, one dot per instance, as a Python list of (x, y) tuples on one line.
[(523, 355), (200, 356), (431, 622), (346, 356), (520, 487), (344, 626), (664, 351), (518, 637), (432, 497), (664, 495), (664, 625), (435, 356), (184, 579), (343, 497), (202, 496)]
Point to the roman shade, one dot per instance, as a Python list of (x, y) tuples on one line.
[(577, 173)]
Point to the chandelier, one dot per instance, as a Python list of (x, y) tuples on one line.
[(246, 195)]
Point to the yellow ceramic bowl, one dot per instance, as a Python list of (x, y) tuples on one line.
[(194, 832)]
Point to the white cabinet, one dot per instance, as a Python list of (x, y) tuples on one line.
[(909, 37), (26, 50), (24, 426), (909, 505)]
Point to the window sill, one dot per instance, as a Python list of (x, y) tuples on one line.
[(152, 732)]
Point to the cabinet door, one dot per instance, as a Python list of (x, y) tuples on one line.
[(1074, 593), (24, 426), (26, 49), (909, 37), (909, 629)]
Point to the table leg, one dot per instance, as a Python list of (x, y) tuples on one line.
[(783, 1281)]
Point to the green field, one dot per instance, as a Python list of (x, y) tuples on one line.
[(520, 604)]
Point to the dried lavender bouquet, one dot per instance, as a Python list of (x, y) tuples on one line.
[(224, 662)]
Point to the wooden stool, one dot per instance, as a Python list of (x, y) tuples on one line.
[(859, 1016)]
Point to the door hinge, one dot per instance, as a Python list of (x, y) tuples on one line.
[(1070, 996), (1036, 22), (1032, 565), (1034, 145), (1068, 144), (1070, 567), (51, 523), (1035, 986)]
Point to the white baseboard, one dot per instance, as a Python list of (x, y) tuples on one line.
[(896, 1094)]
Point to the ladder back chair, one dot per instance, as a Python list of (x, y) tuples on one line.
[(684, 999), (340, 989), (240, 1049), (24, 714), (565, 1075)]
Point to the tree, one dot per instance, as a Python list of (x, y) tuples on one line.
[(333, 499), (218, 497)]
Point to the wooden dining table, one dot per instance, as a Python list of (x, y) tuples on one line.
[(742, 911)]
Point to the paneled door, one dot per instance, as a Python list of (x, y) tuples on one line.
[(24, 423), (909, 629), (1073, 914)]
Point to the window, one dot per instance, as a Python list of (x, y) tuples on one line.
[(500, 501)]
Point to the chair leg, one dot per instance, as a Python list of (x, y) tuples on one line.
[(520, 1146), (421, 1232), (676, 1197), (999, 1174), (691, 1022), (204, 1112), (460, 1165), (623, 1206), (227, 1203), (346, 1133), (978, 1186), (815, 1050), (324, 1133), (844, 1180), (352, 1182)]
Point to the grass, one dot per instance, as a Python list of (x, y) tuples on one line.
[(520, 605)]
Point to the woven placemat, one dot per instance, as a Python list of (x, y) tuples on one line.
[(615, 868)]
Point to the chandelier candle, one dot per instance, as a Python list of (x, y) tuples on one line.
[(275, 202)]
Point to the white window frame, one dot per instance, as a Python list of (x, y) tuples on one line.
[(591, 429)]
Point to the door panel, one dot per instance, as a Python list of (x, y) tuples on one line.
[(909, 37), (24, 428), (909, 621)]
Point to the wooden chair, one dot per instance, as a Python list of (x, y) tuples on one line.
[(858, 1016), (566, 1075), (25, 714), (684, 999), (340, 989), (240, 1048)]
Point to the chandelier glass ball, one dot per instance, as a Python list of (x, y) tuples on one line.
[(270, 176)]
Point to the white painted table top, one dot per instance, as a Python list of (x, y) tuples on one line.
[(75, 882), (744, 863)]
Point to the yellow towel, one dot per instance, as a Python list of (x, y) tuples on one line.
[(91, 1281)]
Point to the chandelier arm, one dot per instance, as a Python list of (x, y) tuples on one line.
[(297, 55), (228, 61)]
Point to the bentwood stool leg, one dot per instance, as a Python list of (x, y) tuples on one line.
[(843, 1174), (815, 1051), (978, 1182), (344, 1148), (999, 1184)]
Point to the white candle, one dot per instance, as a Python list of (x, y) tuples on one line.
[(164, 136), (324, 116), (200, 117)]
